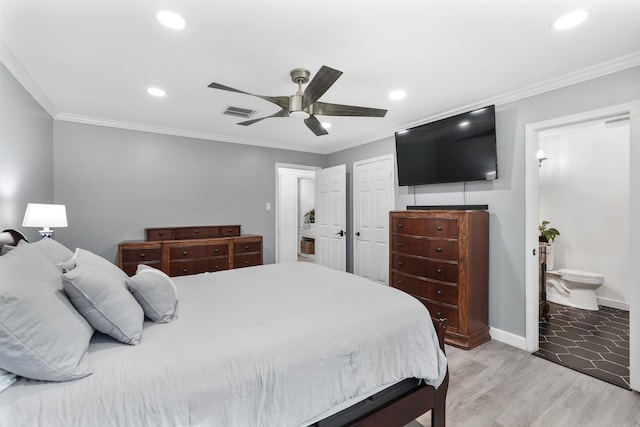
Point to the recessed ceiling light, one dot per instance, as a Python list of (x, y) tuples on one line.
[(170, 19), (326, 125), (569, 20), (397, 94), (155, 91)]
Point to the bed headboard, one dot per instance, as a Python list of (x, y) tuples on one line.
[(10, 237)]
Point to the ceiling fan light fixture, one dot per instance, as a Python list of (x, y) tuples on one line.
[(299, 114), (569, 20), (156, 91), (170, 19)]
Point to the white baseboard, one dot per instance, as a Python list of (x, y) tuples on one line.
[(613, 303), (507, 338)]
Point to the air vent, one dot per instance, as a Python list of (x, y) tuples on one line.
[(238, 112)]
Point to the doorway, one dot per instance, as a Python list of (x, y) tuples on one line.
[(532, 166)]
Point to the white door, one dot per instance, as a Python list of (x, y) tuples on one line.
[(331, 217), (373, 198)]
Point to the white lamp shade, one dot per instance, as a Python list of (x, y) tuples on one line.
[(43, 215)]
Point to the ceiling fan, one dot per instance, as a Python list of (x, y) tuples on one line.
[(305, 103)]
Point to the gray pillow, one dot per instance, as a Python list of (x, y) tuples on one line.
[(155, 292), (41, 335), (98, 290), (53, 250)]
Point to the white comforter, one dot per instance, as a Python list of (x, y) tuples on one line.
[(276, 345)]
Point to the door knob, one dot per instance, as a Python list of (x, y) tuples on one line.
[(340, 233), (358, 234)]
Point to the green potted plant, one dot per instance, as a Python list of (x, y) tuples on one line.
[(310, 216), (547, 234)]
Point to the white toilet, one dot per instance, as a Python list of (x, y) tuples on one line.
[(574, 288)]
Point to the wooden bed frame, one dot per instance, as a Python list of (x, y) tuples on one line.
[(395, 406)]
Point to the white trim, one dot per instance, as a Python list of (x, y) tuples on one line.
[(277, 201), (20, 73), (613, 303), (598, 70), (507, 338), (532, 131)]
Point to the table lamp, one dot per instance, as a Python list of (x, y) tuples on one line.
[(45, 216)]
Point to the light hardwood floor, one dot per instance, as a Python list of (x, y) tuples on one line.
[(497, 385)]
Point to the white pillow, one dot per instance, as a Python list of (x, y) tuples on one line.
[(155, 292), (97, 289), (41, 335), (53, 250)]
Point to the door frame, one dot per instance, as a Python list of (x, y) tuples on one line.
[(391, 202), (279, 166), (532, 131)]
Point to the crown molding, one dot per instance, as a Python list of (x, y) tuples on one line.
[(599, 70), (178, 132), (24, 78)]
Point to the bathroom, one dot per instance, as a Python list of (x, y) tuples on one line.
[(584, 193)]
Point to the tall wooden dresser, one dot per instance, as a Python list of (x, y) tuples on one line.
[(180, 251), (441, 257)]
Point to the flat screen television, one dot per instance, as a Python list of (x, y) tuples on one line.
[(458, 148)]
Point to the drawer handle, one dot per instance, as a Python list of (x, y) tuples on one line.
[(439, 292), (246, 247), (216, 250), (230, 230), (184, 252), (400, 244), (438, 249), (439, 313), (184, 270), (399, 262), (439, 228), (160, 233), (196, 231), (247, 262), (400, 282), (217, 267), (142, 255), (439, 271), (400, 225)]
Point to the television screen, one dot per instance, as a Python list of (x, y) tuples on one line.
[(458, 148)]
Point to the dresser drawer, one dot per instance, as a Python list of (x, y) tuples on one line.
[(159, 233), (246, 260), (195, 232), (140, 255), (229, 230), (432, 227), (430, 248), (443, 271), (438, 311), (246, 247), (132, 267), (437, 292), (183, 268), (198, 251)]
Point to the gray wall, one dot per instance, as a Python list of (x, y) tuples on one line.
[(117, 182), (506, 195), (26, 174)]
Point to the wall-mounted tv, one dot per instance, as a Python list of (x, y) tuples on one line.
[(458, 148)]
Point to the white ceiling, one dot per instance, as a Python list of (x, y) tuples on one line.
[(91, 61)]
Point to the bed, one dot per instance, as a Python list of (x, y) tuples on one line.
[(275, 345)]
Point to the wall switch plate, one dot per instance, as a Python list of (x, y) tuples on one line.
[(268, 206)]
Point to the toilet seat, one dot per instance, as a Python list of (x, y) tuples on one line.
[(581, 276)]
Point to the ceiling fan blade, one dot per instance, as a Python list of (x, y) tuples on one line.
[(279, 113), (324, 78), (280, 101), (325, 109), (315, 126)]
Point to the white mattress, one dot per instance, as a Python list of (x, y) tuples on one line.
[(275, 345)]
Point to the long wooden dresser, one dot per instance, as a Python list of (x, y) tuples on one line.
[(180, 251), (441, 257)]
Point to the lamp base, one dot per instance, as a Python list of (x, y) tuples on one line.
[(46, 233)]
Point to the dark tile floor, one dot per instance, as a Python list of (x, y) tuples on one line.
[(592, 342)]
